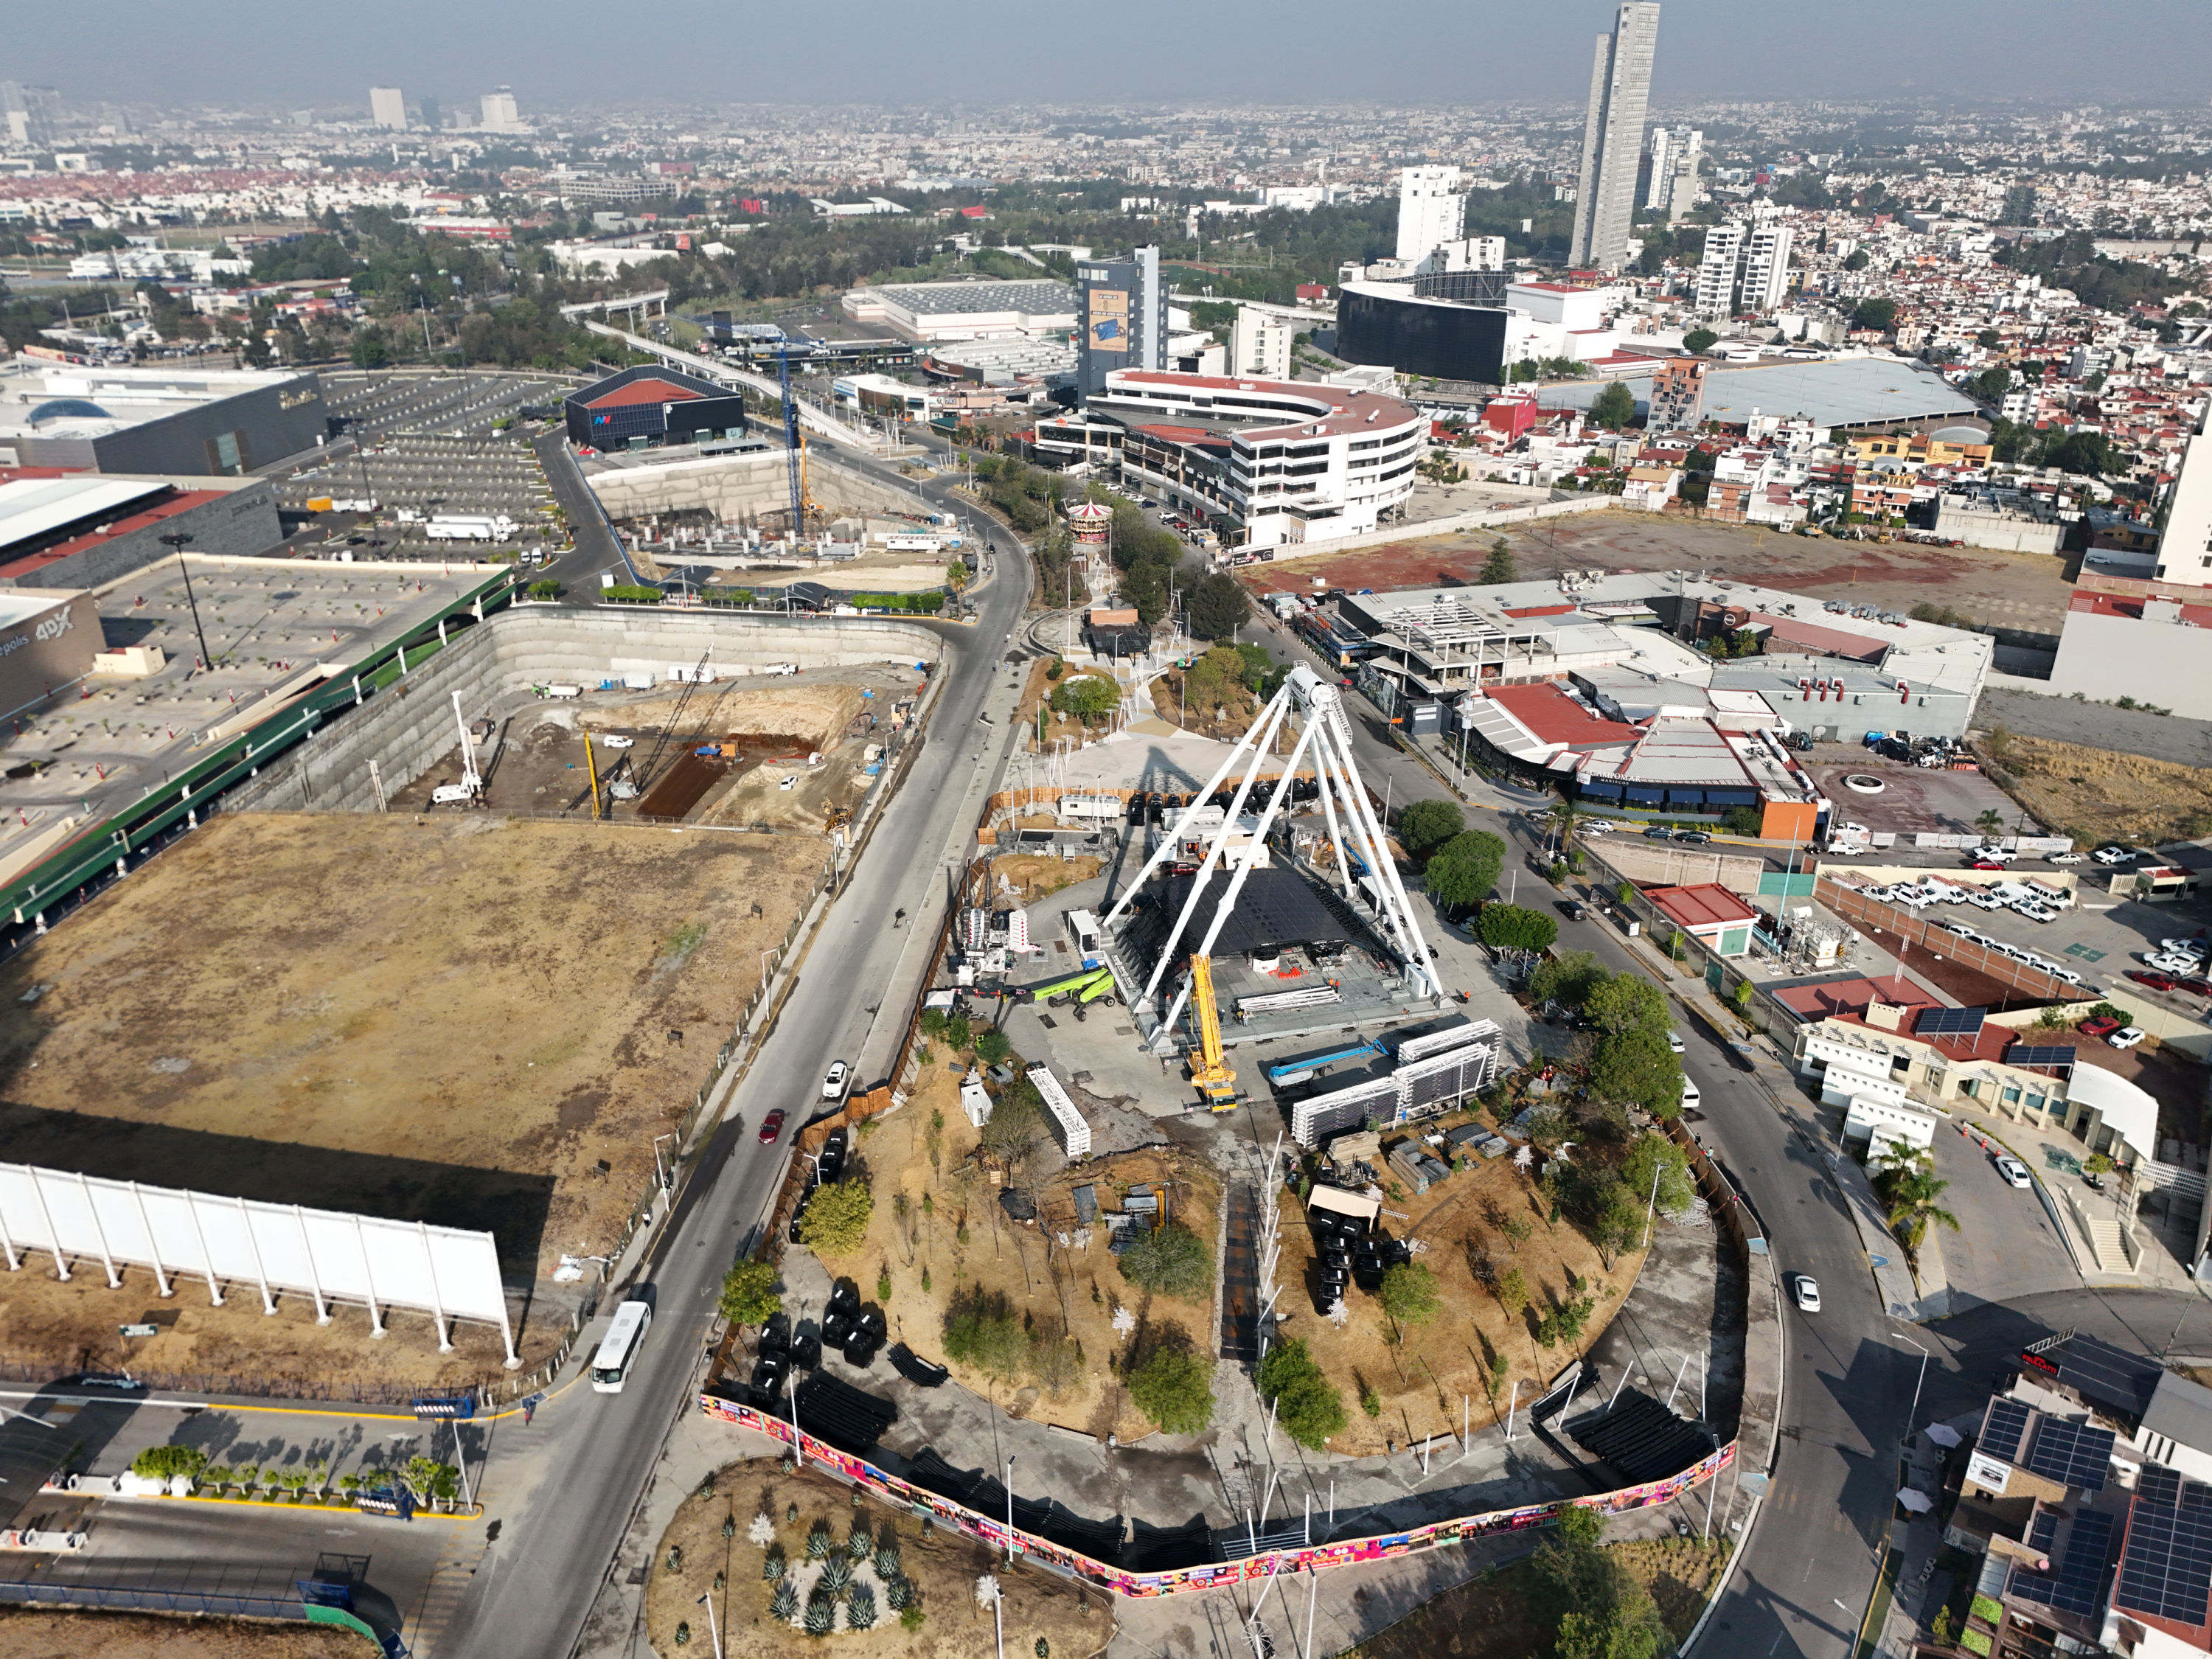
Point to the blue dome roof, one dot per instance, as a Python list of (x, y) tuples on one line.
[(69, 408)]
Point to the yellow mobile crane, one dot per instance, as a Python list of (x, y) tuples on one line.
[(1217, 1084)]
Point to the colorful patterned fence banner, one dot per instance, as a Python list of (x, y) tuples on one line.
[(1211, 1575)]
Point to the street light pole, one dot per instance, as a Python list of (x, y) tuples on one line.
[(1914, 1410), (1010, 1509), (713, 1628), (177, 542)]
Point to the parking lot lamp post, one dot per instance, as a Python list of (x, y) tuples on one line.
[(1010, 1509), (667, 1174), (177, 542)]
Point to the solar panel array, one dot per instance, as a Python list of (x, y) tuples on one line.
[(2002, 1428), (2166, 1572), (2030, 1054), (2072, 1453), (1948, 1022), (2072, 1585)]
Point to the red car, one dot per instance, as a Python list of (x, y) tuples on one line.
[(1985, 864), (2195, 987), (771, 1127), (2156, 981), (2104, 1025)]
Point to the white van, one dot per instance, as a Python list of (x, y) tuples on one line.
[(1692, 1100)]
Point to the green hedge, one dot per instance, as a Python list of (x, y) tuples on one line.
[(633, 592), (929, 603), (1975, 1641), (1988, 1610)]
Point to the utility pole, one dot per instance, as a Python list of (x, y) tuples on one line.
[(176, 541)]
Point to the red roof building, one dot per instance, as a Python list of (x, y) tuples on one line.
[(1707, 911)]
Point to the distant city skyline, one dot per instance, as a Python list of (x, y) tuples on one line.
[(991, 52)]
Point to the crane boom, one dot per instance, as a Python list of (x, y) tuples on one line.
[(1216, 1082)]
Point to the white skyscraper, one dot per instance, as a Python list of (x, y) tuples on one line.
[(387, 107), (1662, 163), (1746, 268), (1687, 151), (1431, 209), (498, 112), (1613, 137), (1717, 271)]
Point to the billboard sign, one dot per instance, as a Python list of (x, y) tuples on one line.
[(1108, 313)]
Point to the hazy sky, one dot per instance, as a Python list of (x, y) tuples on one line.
[(988, 52)]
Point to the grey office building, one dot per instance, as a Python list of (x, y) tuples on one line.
[(1121, 318), (1613, 137), (181, 421)]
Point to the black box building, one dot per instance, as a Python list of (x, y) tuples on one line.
[(644, 408)]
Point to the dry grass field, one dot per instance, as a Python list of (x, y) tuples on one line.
[(465, 1020), (2101, 794), (37, 1634)]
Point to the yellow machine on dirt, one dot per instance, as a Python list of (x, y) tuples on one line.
[(1216, 1082)]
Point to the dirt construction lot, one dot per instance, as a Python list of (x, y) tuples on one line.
[(2097, 794), (469, 1021), (2011, 590)]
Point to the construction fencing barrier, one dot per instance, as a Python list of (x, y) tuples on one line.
[(1261, 1563)]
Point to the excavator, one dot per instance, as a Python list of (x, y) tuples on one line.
[(1209, 1071)]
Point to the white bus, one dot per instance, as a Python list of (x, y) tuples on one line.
[(619, 1347)]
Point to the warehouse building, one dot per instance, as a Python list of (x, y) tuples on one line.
[(646, 407), (195, 422), (983, 310), (79, 530)]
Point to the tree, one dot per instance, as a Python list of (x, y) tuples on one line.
[(993, 1045), (1636, 1068), (1516, 928), (1614, 407), (749, 1294), (1567, 979), (1463, 873), (1875, 313), (1909, 1190), (1990, 822), (1655, 1156), (982, 1330), (1430, 823), (1089, 697), (1169, 1260), (1308, 1406), (1627, 1002), (1500, 567), (369, 349), (1859, 260), (1173, 1387), (1409, 1293), (1698, 339), (1218, 606), (1743, 821), (1579, 1524), (836, 1218), (1016, 1124)]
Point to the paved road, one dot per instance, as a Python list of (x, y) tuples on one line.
[(567, 1497), (1802, 1585)]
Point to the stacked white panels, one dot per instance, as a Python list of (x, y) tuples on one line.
[(1068, 1127)]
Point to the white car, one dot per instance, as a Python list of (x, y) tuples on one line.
[(2126, 1038), (1808, 1291), (2015, 1172), (1847, 828), (2065, 858), (1963, 930), (2114, 855), (1985, 901), (833, 1085), (2164, 963), (616, 740), (1995, 854), (788, 782), (2035, 912), (1596, 827), (1845, 849), (1675, 1043), (2185, 947)]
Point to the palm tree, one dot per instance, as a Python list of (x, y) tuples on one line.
[(1909, 1186), (1991, 823)]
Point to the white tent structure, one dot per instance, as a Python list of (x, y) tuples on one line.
[(1355, 831)]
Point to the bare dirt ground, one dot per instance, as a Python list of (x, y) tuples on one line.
[(36, 1633), (1042, 1613), (2097, 794), (2009, 590), (469, 1021), (1492, 1614), (1079, 1287), (1034, 876), (1421, 1383)]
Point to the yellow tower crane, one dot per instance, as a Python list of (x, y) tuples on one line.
[(1217, 1084)]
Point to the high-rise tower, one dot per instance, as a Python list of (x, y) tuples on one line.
[(1613, 137)]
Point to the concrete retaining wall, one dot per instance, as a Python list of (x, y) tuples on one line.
[(1452, 524), (407, 726), (732, 486)]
